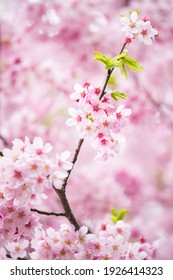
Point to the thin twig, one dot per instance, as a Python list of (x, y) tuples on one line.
[(47, 213), (109, 73), (73, 162)]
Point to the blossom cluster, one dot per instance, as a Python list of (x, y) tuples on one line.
[(26, 173), (98, 118), (111, 241), (135, 27)]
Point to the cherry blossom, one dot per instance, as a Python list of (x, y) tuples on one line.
[(147, 33), (130, 24), (18, 249), (133, 26), (99, 119), (35, 90), (27, 172), (103, 244)]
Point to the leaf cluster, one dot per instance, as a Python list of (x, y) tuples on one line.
[(118, 214), (121, 61), (117, 94)]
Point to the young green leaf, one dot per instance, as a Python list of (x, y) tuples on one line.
[(123, 71), (122, 214), (112, 63), (116, 95), (122, 55), (118, 215), (133, 64), (101, 57), (109, 61)]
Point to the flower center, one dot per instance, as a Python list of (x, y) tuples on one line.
[(144, 32)]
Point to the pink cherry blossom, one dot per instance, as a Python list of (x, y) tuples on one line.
[(96, 119), (147, 33), (130, 24), (63, 161), (133, 26), (18, 249), (35, 90)]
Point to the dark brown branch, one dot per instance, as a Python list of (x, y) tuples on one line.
[(73, 161), (123, 47), (106, 82), (47, 213), (68, 212)]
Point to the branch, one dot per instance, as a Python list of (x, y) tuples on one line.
[(109, 73), (67, 210), (73, 161), (62, 192), (47, 213)]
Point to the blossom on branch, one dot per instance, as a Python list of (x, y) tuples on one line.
[(99, 119), (135, 27)]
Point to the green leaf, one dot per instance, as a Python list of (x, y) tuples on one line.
[(122, 55), (133, 64), (122, 214), (123, 71), (101, 57), (110, 62), (116, 95), (118, 215)]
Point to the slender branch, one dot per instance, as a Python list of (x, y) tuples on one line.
[(106, 82), (68, 212), (123, 47), (73, 161), (47, 213), (109, 73)]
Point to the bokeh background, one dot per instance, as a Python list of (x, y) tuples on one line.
[(47, 46)]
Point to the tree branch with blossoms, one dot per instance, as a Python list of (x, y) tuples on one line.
[(132, 27), (30, 171)]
